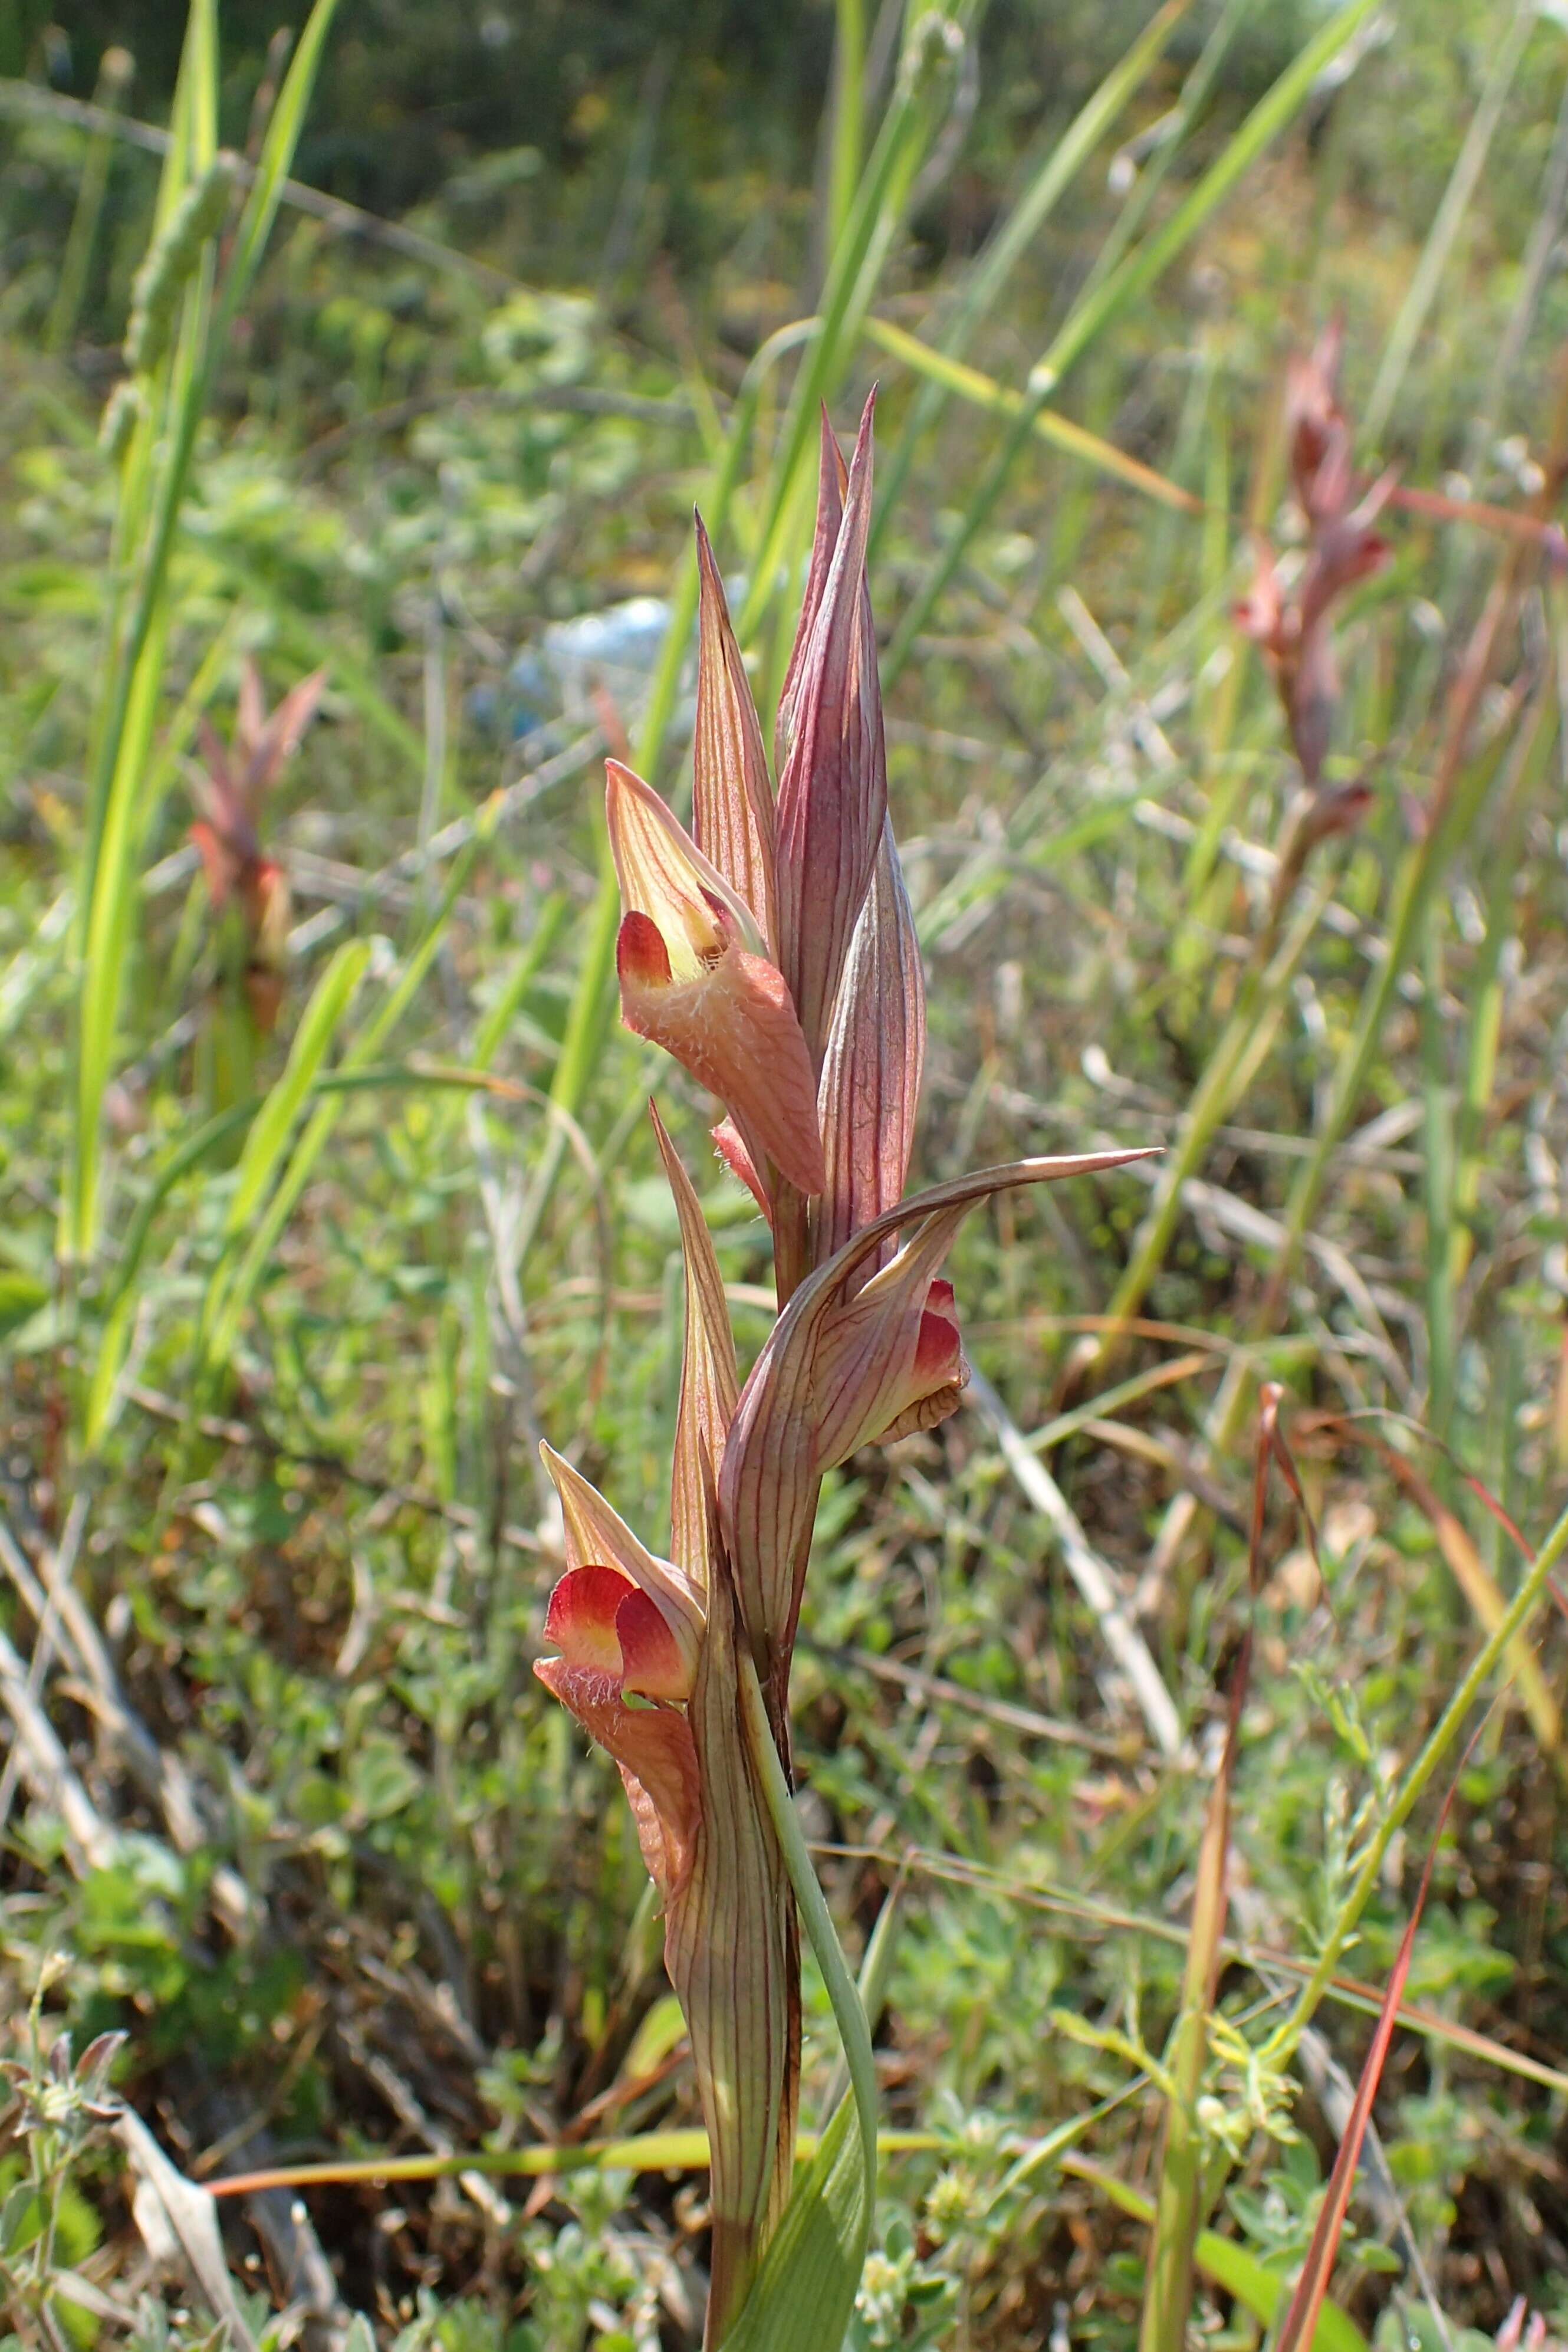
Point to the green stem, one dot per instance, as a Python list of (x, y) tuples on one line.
[(1253, 1021), (848, 100), (113, 80), (1283, 2041), (849, 2011)]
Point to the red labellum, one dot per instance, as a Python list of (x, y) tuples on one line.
[(642, 959)]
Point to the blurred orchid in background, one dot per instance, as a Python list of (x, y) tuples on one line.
[(230, 788), (1293, 625)]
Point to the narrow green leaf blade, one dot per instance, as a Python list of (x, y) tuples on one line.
[(1261, 2291), (1125, 285), (232, 1286), (804, 2292), (1298, 2331), (276, 155), (269, 1138)]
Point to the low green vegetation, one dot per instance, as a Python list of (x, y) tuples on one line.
[(1127, 1700)]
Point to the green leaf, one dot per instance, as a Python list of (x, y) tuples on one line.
[(264, 1145), (22, 2218), (287, 119), (21, 1296), (803, 2294), (804, 2291), (1261, 2290), (382, 1781)]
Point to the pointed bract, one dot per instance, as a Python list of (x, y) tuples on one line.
[(832, 477), (266, 746), (870, 1086), (731, 1949), (1347, 549), (838, 1369), (1317, 434), (732, 793), (708, 1382), (833, 789)]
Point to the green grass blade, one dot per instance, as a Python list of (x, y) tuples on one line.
[(849, 109), (134, 675), (234, 1284), (529, 963), (1074, 440), (1012, 239), (1446, 223), (1189, 106), (113, 80), (1438, 1184), (277, 149), (856, 268), (1126, 285), (1485, 991), (268, 1139)]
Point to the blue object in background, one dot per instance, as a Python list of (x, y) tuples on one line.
[(554, 677)]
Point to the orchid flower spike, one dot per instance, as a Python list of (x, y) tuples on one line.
[(230, 789), (1293, 626), (772, 951)]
